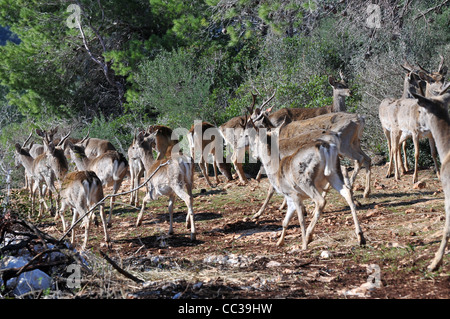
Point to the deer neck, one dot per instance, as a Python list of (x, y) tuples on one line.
[(27, 162), (338, 102), (147, 158), (440, 129), (81, 161), (269, 156)]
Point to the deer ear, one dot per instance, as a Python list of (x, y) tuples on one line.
[(424, 76), (331, 80), (443, 71), (269, 109), (423, 101), (18, 147), (40, 132)]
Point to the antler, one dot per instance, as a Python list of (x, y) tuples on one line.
[(441, 64), (262, 106), (249, 110), (87, 135), (407, 66), (26, 141), (63, 139)]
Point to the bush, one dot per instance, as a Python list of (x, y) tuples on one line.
[(175, 86)]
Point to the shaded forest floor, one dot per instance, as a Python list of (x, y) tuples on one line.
[(237, 257)]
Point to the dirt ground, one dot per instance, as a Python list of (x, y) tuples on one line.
[(235, 256)]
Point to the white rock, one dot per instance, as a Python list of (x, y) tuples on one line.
[(325, 254), (27, 281)]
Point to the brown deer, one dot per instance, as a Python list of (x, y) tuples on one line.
[(349, 128), (340, 92), (49, 167), (170, 180), (136, 170), (160, 137), (111, 167), (93, 147), (304, 174), (436, 117), (80, 191), (233, 134), (205, 136), (287, 115)]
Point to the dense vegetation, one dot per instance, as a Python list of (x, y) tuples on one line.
[(124, 64)]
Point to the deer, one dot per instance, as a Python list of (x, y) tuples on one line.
[(34, 151), (350, 129), (111, 167), (232, 132), (52, 164), (204, 136), (80, 191), (400, 119), (303, 174), (44, 170), (160, 137), (94, 147), (136, 170), (340, 92), (435, 114), (173, 176)]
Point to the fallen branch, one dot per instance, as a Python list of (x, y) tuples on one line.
[(120, 270)]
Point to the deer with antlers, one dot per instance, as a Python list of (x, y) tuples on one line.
[(348, 126), (305, 173), (173, 176), (434, 111), (80, 191), (205, 137), (111, 167), (233, 134)]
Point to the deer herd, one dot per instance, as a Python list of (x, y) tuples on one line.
[(300, 150)]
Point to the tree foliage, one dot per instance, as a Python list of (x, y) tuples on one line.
[(135, 62)]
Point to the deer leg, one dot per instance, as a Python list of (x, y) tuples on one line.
[(434, 155), (237, 158), (132, 183), (319, 205), (204, 170), (116, 187), (74, 219), (270, 193), (388, 138), (395, 136), (339, 185), (405, 158), (216, 175), (187, 198), (437, 261), (141, 213), (170, 207), (61, 215), (416, 157), (105, 225), (289, 214)]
